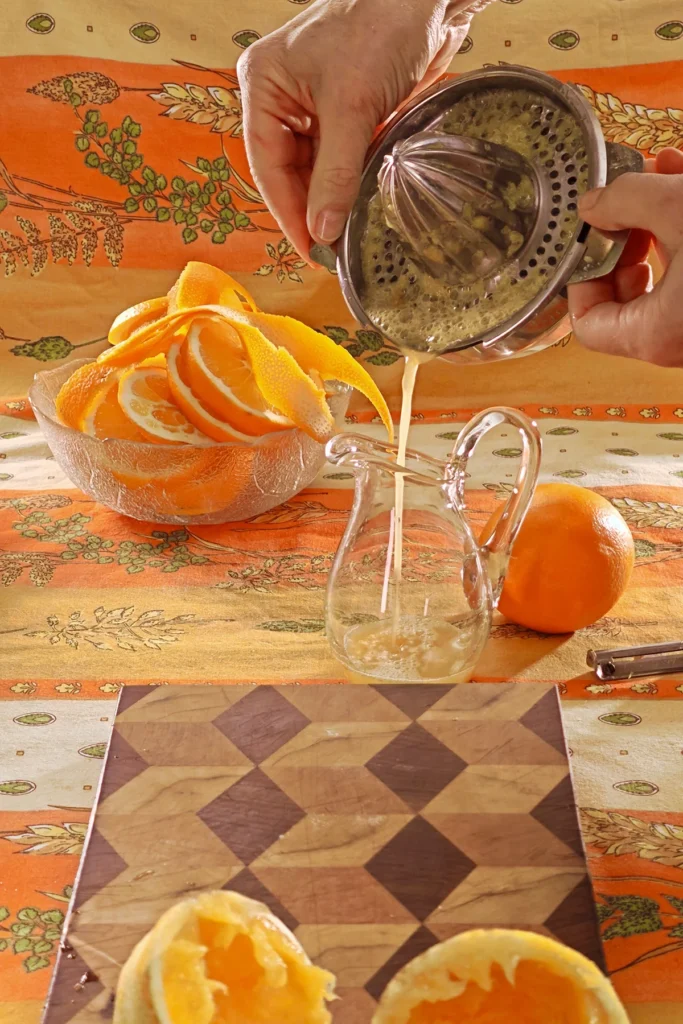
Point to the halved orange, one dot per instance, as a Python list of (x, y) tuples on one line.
[(200, 284), (137, 316), (190, 405), (145, 397), (500, 976), (220, 373), (221, 958)]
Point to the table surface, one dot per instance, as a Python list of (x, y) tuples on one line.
[(92, 600), (368, 842)]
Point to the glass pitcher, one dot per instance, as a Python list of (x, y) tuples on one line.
[(414, 603)]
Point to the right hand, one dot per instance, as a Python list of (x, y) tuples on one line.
[(315, 91), (622, 314)]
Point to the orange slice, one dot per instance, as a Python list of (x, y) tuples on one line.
[(200, 284), (220, 373), (137, 316), (103, 417), (145, 397), (316, 354), (77, 392), (190, 405)]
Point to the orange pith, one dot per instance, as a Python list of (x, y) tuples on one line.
[(145, 396), (571, 562), (190, 405), (538, 996), (219, 372), (500, 976), (104, 417), (200, 284)]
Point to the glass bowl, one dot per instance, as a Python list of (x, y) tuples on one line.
[(182, 484)]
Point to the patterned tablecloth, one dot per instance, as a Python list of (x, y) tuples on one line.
[(91, 600)]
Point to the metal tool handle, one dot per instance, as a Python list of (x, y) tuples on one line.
[(634, 662), (604, 248)]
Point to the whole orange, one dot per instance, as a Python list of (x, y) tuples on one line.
[(571, 562)]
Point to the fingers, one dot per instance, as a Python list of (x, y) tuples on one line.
[(669, 161), (632, 282), (345, 134), (636, 249), (621, 329), (650, 202), (276, 132)]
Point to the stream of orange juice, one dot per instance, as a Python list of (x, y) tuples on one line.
[(403, 648)]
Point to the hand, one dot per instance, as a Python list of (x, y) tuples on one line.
[(315, 91), (622, 314)]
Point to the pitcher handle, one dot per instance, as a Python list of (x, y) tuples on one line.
[(496, 547)]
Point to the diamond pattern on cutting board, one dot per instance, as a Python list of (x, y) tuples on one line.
[(124, 764), (350, 789), (261, 723), (542, 720), (340, 895), (479, 741), (250, 816), (504, 840), (420, 941), (110, 866), (416, 766), (370, 819), (497, 896), (174, 743), (567, 922), (420, 867), (557, 812), (247, 884), (413, 699)]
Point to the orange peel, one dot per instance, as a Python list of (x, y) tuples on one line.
[(136, 316), (145, 397), (315, 353), (201, 284), (190, 405), (220, 371)]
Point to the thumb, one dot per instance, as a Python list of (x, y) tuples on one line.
[(345, 135), (651, 202)]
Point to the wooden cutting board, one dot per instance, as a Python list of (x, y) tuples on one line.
[(374, 820)]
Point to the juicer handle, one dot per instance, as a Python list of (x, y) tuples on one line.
[(604, 248), (496, 546)]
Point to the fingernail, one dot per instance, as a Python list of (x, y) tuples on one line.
[(329, 225), (589, 200)]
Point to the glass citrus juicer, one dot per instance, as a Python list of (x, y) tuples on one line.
[(411, 595)]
